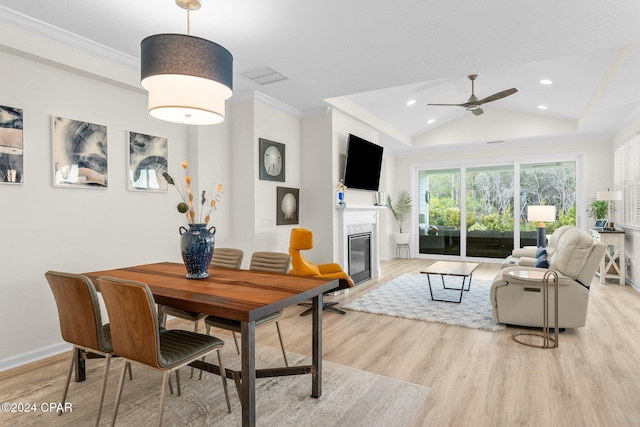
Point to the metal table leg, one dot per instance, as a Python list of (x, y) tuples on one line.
[(316, 382), (248, 400)]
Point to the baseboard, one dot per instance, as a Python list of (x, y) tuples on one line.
[(33, 356)]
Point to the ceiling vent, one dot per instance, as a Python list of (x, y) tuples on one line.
[(495, 142), (264, 75)]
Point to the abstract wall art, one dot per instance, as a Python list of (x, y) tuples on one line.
[(79, 154), (147, 162), (11, 145)]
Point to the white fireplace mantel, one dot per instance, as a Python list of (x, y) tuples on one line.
[(356, 220)]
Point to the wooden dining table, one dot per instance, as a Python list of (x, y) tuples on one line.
[(241, 295)]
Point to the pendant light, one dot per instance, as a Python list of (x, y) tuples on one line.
[(188, 78)]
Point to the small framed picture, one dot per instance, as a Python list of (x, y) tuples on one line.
[(287, 205), (271, 160), (79, 154), (147, 162), (11, 143)]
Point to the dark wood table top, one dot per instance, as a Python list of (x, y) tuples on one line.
[(241, 295)]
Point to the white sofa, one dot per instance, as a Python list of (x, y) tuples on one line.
[(575, 257)]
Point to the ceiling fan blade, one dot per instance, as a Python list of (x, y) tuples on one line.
[(498, 95), (477, 111), (449, 105)]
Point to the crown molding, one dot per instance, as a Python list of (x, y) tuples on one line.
[(255, 96), (58, 35)]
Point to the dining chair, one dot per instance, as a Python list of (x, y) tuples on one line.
[(273, 262), (81, 323), (137, 337)]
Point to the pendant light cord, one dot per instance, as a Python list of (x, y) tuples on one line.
[(188, 20)]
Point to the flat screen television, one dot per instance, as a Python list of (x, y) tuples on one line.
[(362, 168)]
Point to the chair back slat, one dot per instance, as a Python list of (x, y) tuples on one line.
[(227, 258), (274, 262), (133, 319), (78, 310)]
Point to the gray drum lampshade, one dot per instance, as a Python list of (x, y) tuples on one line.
[(188, 78)]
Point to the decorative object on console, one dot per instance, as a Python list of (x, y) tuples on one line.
[(11, 144), (287, 205), (607, 197), (147, 162), (271, 160), (196, 244), (541, 214), (79, 154), (341, 189), (188, 78)]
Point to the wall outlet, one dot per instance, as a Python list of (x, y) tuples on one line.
[(266, 222)]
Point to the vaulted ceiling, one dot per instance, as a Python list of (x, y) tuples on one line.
[(368, 58)]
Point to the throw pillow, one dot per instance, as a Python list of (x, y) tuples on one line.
[(541, 251), (541, 262)]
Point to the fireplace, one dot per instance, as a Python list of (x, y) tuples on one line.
[(356, 220), (360, 257)]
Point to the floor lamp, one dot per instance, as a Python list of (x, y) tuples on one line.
[(541, 214), (609, 196)]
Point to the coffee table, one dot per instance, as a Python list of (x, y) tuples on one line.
[(450, 268)]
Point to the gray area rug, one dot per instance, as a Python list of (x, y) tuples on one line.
[(350, 397), (408, 296)]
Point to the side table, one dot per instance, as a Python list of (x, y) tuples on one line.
[(544, 277), (400, 246), (614, 241)]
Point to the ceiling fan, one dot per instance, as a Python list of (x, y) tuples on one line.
[(473, 103)]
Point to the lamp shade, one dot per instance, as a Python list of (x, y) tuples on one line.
[(188, 78), (541, 213), (609, 195)]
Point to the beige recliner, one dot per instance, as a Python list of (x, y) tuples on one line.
[(575, 257), (527, 256)]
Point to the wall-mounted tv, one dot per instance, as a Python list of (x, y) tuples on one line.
[(362, 168)]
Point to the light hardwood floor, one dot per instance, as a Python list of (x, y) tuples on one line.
[(481, 378)]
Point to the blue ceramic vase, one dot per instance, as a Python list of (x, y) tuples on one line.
[(196, 245)]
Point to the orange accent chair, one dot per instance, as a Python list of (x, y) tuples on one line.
[(302, 240)]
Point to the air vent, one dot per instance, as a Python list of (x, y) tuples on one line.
[(495, 142), (264, 75)]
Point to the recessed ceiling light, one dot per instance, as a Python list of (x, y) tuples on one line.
[(546, 82), (431, 121), (542, 107), (411, 102)]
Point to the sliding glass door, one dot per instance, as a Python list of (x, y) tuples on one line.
[(481, 211), (489, 211), (439, 212)]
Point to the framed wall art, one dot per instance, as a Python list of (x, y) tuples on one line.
[(287, 205), (147, 162), (271, 160), (11, 145), (79, 154)]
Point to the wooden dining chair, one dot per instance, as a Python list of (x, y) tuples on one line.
[(81, 323), (274, 262), (136, 336)]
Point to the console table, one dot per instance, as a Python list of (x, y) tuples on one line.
[(612, 239)]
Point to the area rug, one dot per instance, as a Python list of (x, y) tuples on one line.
[(350, 397), (408, 296)]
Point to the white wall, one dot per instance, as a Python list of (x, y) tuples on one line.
[(76, 230)]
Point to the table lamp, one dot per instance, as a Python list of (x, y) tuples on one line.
[(541, 214), (609, 196)]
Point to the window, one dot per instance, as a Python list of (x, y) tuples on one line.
[(627, 180)]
